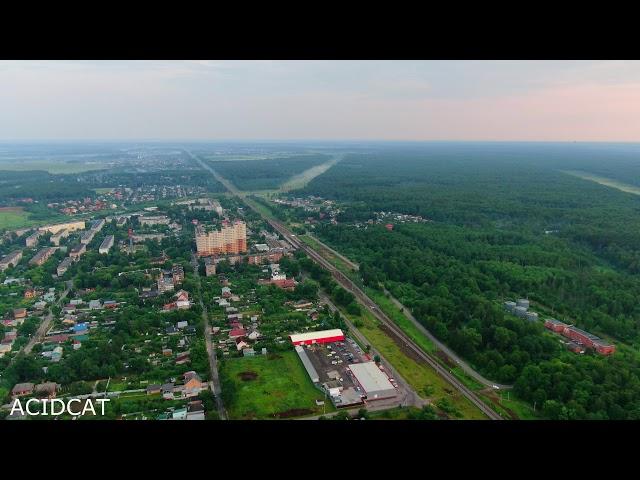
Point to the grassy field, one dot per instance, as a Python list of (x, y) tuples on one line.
[(102, 191), (52, 167), (13, 217), (424, 380), (275, 386), (393, 414)]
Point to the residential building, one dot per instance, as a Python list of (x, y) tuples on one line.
[(106, 245), (11, 260), (209, 267), (77, 251), (64, 266), (22, 389), (177, 272), (56, 237), (70, 226), (154, 220), (42, 256), (231, 238), (32, 240)]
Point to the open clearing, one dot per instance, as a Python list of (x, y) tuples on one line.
[(301, 179), (13, 217), (271, 386), (52, 167), (607, 182)]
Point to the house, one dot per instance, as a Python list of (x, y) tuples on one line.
[(167, 352), (223, 302), (19, 313), (167, 391), (153, 389), (226, 292), (179, 414), (192, 384), (237, 333), (248, 352), (241, 344), (56, 355), (181, 295), (57, 338), (182, 324), (254, 335), (95, 304), (110, 304), (195, 410), (29, 293), (303, 304), (22, 389), (46, 389), (182, 357), (171, 330)]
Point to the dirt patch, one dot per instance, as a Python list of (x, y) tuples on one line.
[(11, 209), (294, 412), (247, 376), (273, 356), (445, 358)]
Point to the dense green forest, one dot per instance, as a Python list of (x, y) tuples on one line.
[(501, 229), (40, 185), (268, 173)]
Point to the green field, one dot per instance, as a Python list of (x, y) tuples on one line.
[(52, 167), (275, 386), (14, 218)]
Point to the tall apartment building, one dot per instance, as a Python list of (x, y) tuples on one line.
[(10, 259), (231, 238)]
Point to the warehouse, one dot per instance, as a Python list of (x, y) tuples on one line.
[(324, 336), (373, 381), (313, 374)]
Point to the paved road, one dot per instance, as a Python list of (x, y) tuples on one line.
[(407, 313), (216, 388), (43, 328), (362, 298)]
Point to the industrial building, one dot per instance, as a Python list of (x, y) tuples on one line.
[(373, 381), (106, 244), (324, 336), (580, 337), (313, 374), (10, 260), (231, 238)]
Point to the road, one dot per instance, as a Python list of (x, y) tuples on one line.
[(43, 328), (408, 396), (216, 388), (407, 313), (360, 296)]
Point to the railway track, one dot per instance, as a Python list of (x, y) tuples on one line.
[(362, 298)]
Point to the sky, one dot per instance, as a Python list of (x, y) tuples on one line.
[(320, 100)]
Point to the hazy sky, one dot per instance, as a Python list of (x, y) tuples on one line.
[(384, 100)]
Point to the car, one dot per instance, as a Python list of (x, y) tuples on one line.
[(496, 387)]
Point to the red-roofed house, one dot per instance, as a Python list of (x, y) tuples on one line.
[(237, 333)]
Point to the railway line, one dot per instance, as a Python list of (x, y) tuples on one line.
[(361, 297)]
